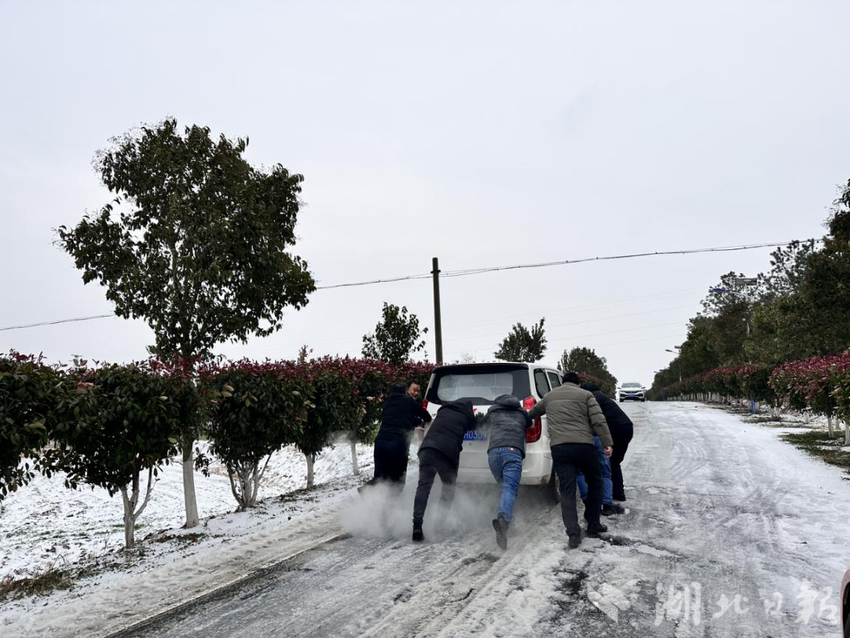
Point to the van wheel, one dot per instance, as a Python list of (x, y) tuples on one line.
[(553, 489)]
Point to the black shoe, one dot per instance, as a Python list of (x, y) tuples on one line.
[(575, 541), (418, 536), (595, 531), (501, 527), (609, 509)]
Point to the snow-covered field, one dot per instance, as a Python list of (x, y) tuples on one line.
[(46, 526), (729, 531)]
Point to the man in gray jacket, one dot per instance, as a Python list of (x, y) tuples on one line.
[(574, 416), (506, 423)]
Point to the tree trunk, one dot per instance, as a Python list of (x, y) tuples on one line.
[(829, 425), (129, 519), (806, 417), (311, 459), (847, 432), (355, 468), (235, 483), (189, 497), (245, 482), (130, 511)]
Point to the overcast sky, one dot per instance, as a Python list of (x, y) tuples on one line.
[(482, 133)]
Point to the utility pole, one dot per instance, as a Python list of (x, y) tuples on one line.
[(438, 328)]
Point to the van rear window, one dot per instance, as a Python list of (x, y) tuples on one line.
[(480, 384)]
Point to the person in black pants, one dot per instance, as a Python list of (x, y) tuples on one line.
[(440, 454), (574, 417), (401, 415), (568, 459), (622, 431)]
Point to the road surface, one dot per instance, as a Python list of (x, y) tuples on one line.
[(728, 532)]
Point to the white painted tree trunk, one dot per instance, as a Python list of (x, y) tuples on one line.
[(355, 468), (847, 432), (806, 417), (245, 482), (311, 459), (130, 501), (189, 497), (829, 425)]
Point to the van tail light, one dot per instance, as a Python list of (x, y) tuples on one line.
[(424, 404), (533, 433)]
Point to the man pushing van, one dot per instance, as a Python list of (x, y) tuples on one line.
[(506, 422), (439, 454), (574, 416)]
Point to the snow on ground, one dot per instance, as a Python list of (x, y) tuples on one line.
[(45, 525), (720, 510)]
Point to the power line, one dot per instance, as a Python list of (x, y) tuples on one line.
[(565, 262), (474, 271), (57, 321)]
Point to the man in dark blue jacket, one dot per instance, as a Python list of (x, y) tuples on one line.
[(622, 431), (506, 422), (440, 454), (401, 415)]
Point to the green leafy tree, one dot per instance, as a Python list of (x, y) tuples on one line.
[(586, 362), (826, 287), (523, 344), (783, 328), (698, 352), (258, 409), (28, 392), (124, 427), (333, 409), (787, 274), (196, 242), (396, 337)]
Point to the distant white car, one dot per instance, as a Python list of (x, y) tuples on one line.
[(481, 383), (632, 391)]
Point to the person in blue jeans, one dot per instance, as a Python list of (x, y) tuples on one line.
[(608, 506), (506, 423)]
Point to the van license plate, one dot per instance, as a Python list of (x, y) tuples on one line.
[(475, 435)]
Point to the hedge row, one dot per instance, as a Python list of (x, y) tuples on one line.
[(819, 384), (110, 425)]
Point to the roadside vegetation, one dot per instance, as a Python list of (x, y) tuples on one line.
[(780, 338)]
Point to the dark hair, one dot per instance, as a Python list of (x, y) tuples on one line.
[(410, 382), (571, 377), (590, 387), (397, 388)]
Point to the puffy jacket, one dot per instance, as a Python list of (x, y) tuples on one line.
[(506, 422), (446, 432), (400, 416), (574, 416)]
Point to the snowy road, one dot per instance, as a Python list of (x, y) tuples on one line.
[(729, 532)]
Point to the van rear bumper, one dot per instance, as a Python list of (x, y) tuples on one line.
[(536, 468)]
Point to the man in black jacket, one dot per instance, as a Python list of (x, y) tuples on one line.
[(506, 423), (440, 454), (401, 414), (622, 431)]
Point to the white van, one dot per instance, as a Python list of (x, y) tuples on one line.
[(481, 383)]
